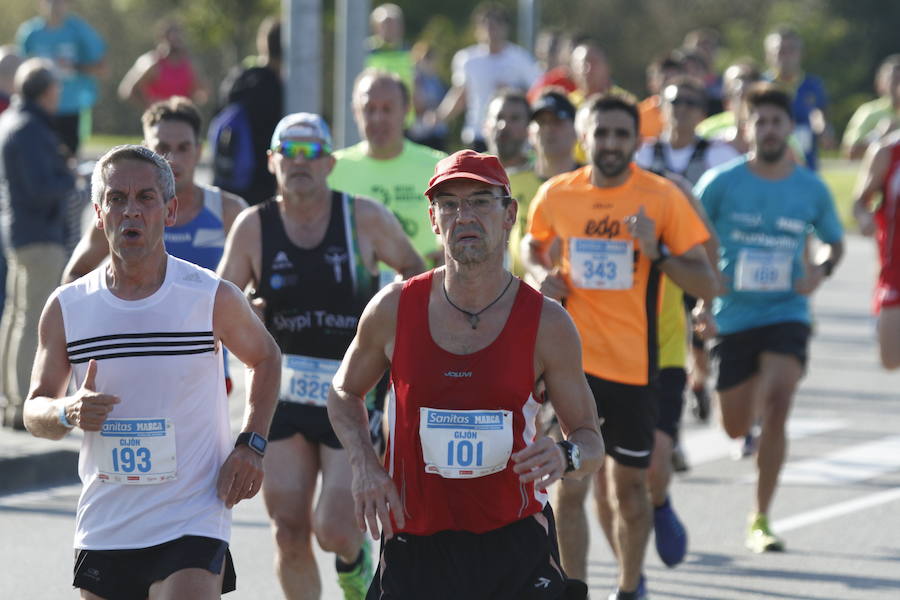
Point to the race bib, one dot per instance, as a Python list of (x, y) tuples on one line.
[(763, 270), (137, 451), (306, 380), (464, 444), (601, 264)]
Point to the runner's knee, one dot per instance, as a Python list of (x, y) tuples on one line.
[(293, 536)]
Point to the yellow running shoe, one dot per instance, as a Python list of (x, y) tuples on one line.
[(355, 583), (760, 538)]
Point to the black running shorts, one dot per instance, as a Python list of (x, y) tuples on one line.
[(312, 423), (517, 562), (128, 574), (630, 415), (738, 353), (670, 396)]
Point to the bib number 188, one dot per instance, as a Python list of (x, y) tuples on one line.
[(126, 460), (464, 452)]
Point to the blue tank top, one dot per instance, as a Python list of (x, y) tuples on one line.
[(202, 240)]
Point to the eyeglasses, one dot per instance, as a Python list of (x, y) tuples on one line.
[(482, 204), (309, 150), (689, 102)]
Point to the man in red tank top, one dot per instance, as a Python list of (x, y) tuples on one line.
[(465, 475), (880, 174)]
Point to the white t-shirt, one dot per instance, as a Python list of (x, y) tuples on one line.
[(149, 476), (483, 74), (717, 152)]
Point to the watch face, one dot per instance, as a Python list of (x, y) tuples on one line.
[(576, 457), (258, 443)]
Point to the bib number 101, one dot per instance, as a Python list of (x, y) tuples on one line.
[(464, 453), (126, 460)]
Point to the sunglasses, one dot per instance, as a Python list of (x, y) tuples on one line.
[(309, 150)]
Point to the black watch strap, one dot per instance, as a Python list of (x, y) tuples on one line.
[(252, 440), (567, 448)]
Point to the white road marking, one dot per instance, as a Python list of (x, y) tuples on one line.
[(836, 510), (847, 465)]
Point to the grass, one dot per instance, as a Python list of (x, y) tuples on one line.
[(98, 144)]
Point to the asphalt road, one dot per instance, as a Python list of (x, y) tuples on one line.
[(838, 507)]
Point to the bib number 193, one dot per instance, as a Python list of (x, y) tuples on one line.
[(127, 460)]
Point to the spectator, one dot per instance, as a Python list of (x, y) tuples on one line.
[(163, 72), (727, 125), (784, 56), (479, 71), (9, 62), (257, 91), (698, 67), (872, 119), (428, 92), (591, 72), (34, 185), (706, 42), (660, 72), (78, 53), (387, 50)]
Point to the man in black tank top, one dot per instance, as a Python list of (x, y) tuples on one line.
[(310, 256)]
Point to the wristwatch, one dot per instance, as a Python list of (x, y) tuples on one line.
[(573, 455), (253, 440)]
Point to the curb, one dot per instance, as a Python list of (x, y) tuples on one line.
[(32, 471)]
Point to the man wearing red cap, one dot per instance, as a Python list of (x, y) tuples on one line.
[(465, 475), (311, 255)]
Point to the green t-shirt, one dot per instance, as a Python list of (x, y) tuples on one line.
[(865, 120), (523, 184), (398, 183)]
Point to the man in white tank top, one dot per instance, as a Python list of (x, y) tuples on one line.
[(143, 337)]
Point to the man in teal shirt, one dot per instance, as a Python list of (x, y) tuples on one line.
[(77, 51), (762, 208), (386, 166)]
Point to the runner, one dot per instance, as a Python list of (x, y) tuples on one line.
[(386, 166), (205, 213), (880, 174), (762, 208), (311, 256), (158, 473), (620, 228), (466, 345)]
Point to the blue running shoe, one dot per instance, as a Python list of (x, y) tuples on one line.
[(671, 537)]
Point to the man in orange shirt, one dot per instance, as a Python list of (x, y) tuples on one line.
[(620, 227), (660, 73)]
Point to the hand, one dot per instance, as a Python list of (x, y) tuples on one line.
[(376, 499), (814, 277), (864, 219), (554, 285), (240, 477), (542, 462), (704, 323), (90, 409), (643, 229)]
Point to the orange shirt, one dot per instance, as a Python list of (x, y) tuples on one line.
[(651, 117), (613, 296)]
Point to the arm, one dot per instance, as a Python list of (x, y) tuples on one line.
[(453, 103), (46, 398), (241, 260), (869, 184), (232, 206), (142, 71), (538, 262), (245, 336), (558, 361), (389, 241), (92, 248), (374, 493)]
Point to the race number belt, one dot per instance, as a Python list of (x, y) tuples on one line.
[(601, 264), (137, 451), (760, 270), (464, 444), (306, 380)]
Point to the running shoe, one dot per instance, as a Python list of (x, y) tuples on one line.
[(679, 461), (747, 447), (670, 534), (355, 583), (700, 404), (760, 538), (639, 594)]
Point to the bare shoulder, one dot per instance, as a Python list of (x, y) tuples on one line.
[(228, 296), (383, 307), (232, 203), (556, 330), (247, 222), (370, 212)]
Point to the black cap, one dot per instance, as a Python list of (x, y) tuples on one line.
[(556, 103)]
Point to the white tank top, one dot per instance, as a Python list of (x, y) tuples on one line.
[(150, 475)]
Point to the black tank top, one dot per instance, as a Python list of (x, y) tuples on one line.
[(314, 296)]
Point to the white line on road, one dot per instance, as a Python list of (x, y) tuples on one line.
[(836, 510), (847, 465)]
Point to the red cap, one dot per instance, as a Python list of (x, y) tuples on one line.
[(468, 164)]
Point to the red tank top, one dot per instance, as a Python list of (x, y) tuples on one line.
[(887, 215), (454, 419), (172, 79)]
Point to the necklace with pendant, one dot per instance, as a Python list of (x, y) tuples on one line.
[(474, 317)]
